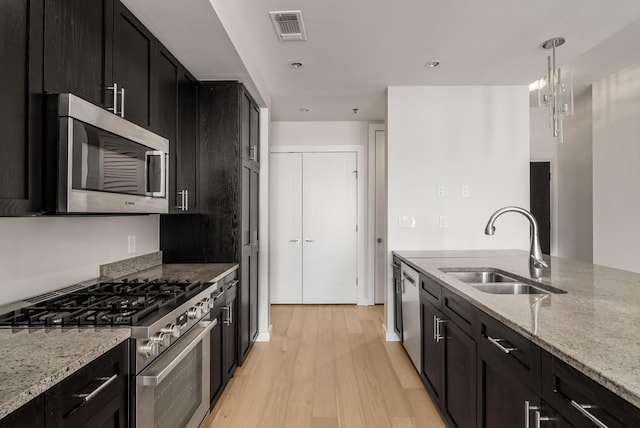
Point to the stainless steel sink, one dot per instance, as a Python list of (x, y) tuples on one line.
[(481, 277), (494, 281), (509, 288)]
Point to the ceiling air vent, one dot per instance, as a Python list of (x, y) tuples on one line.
[(288, 25)]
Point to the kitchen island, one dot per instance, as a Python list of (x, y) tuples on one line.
[(593, 327)]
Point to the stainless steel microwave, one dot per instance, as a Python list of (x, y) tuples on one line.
[(97, 162)]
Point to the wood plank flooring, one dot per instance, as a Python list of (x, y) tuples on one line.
[(327, 366)]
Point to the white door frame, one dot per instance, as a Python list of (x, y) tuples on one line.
[(371, 209), (365, 284)]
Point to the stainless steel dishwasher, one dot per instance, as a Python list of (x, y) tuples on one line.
[(411, 313)]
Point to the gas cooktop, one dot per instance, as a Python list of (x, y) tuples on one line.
[(113, 303)]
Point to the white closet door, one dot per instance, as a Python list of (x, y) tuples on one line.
[(285, 232), (329, 227)]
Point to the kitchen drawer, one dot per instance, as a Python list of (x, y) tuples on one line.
[(459, 311), (97, 392), (517, 355), (566, 389), (430, 289)]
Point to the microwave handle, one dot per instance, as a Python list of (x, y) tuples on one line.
[(163, 172)]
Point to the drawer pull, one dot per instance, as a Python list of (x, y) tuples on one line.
[(497, 343), (395, 265), (582, 408), (90, 396)]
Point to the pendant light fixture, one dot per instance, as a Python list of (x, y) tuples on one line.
[(555, 90)]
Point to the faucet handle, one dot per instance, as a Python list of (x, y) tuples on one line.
[(539, 262)]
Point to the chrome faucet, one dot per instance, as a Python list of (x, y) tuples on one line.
[(536, 262)]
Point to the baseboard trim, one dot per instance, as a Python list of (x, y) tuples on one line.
[(265, 336), (390, 336)]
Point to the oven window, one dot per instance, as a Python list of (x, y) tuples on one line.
[(179, 395), (105, 162)]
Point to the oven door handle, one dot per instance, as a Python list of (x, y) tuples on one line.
[(156, 379)]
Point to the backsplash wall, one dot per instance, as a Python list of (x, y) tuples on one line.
[(40, 254)]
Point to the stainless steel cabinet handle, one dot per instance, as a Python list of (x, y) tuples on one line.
[(538, 418), (122, 102), (253, 153), (402, 285), (114, 88), (527, 410), (497, 343), (439, 336), (230, 314), (435, 327), (184, 200), (395, 265), (309, 240), (582, 408), (296, 241), (228, 320), (103, 385)]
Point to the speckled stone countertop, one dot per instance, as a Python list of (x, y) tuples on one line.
[(34, 360), (594, 327), (206, 272)]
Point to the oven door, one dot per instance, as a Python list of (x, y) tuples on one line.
[(173, 392)]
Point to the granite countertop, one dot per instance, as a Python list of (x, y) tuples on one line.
[(594, 327), (34, 360)]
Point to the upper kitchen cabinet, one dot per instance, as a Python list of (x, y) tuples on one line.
[(78, 49), (133, 66), (98, 50), (21, 106), (176, 118), (250, 128)]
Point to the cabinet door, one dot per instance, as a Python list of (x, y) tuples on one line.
[(133, 65), (432, 354), (78, 48), (107, 377), (31, 415), (186, 154), (503, 400), (253, 295), (230, 338), (20, 106), (254, 135), (217, 372), (245, 126), (459, 375), (244, 303)]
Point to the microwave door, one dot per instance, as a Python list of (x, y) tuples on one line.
[(155, 173)]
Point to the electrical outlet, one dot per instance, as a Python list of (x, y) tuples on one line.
[(464, 191), (444, 222), (131, 244), (406, 222), (441, 191)]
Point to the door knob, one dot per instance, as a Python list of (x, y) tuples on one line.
[(379, 240), (297, 241), (309, 240)]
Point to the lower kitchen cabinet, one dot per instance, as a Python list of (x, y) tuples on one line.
[(217, 372), (31, 415), (582, 401), (95, 396), (448, 367), (230, 330)]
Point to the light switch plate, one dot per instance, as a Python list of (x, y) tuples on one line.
[(406, 222)]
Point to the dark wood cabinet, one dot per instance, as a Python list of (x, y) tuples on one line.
[(133, 66), (31, 415), (227, 226), (582, 401), (184, 197), (21, 106), (217, 371), (78, 49), (448, 357), (230, 331), (105, 380), (432, 362)]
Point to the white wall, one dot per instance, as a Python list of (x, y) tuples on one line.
[(40, 254), (571, 166), (319, 133), (450, 136), (616, 170)]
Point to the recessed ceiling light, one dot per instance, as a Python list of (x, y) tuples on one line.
[(432, 63), (295, 64), (303, 110)]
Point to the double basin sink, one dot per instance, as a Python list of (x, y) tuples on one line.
[(494, 281)]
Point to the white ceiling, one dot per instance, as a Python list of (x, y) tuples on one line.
[(356, 48)]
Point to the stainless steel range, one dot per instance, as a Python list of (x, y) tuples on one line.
[(170, 350)]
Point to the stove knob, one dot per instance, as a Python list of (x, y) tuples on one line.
[(148, 349), (172, 329), (208, 303), (204, 304), (195, 312), (163, 339)]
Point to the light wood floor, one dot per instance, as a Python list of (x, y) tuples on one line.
[(326, 366)]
